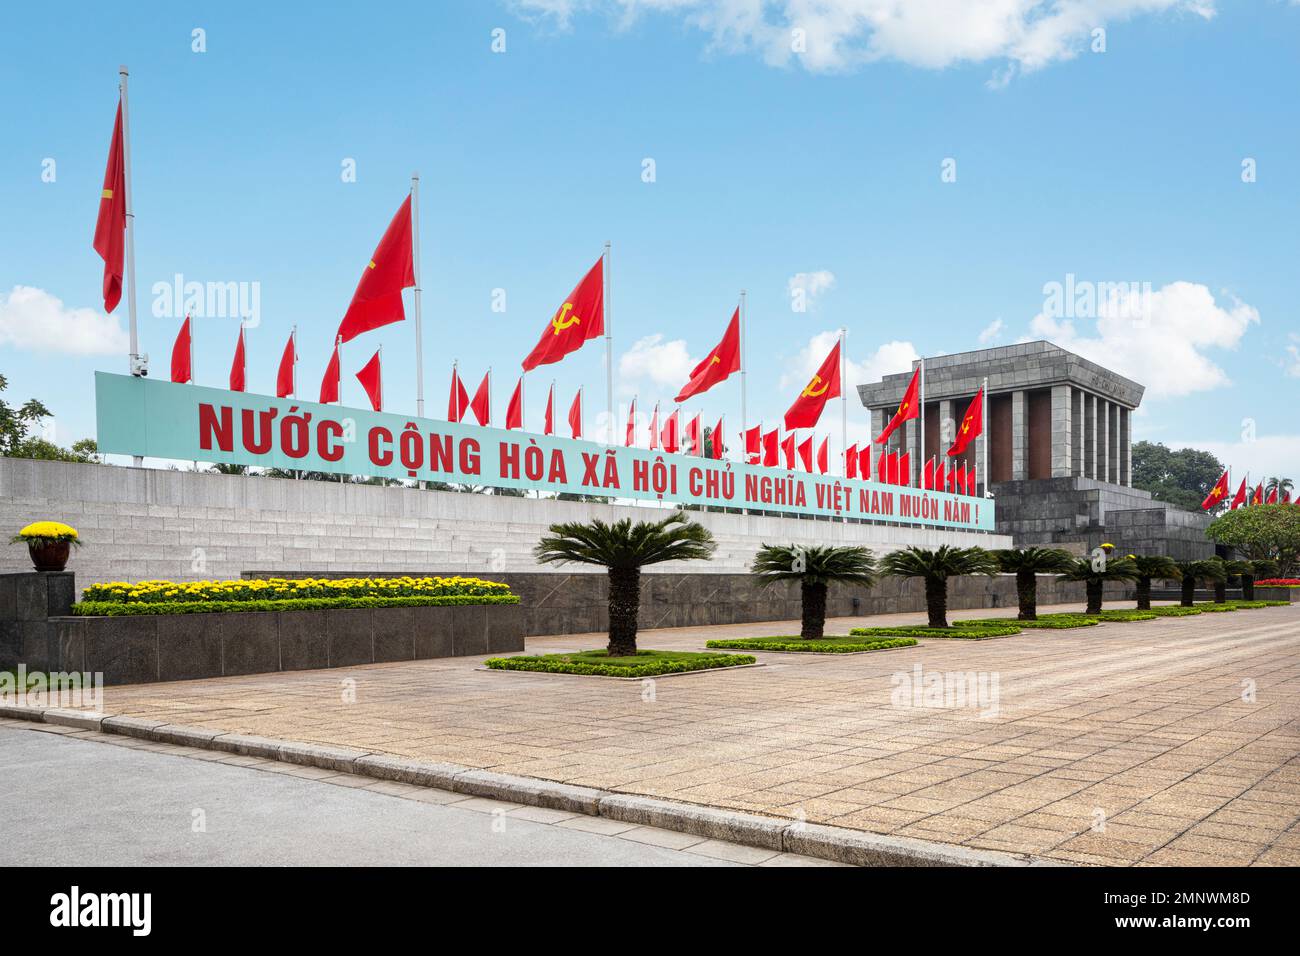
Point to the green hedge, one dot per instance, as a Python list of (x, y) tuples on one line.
[(1124, 615), (1048, 622), (836, 645), (1175, 610), (1251, 605), (120, 609), (588, 663), (980, 632), (1215, 608)]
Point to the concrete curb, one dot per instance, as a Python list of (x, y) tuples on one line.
[(822, 841)]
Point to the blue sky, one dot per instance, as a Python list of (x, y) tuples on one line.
[(773, 169)]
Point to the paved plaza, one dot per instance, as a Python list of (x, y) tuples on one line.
[(1166, 742)]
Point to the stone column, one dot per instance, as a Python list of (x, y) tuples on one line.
[(1019, 437), (1076, 432), (1061, 431), (1126, 447), (1116, 438), (1103, 440), (1089, 435)]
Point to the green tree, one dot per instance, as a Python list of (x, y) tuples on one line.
[(1094, 572), (623, 548), (815, 569), (17, 442), (935, 568), (1261, 533), (1149, 567), (1026, 564), (1182, 478), (1283, 487), (1206, 569)]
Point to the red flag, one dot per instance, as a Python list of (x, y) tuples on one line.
[(753, 444), (630, 440), (654, 429), (1258, 497), (371, 379), (717, 445), (1239, 498), (670, 438), (851, 462), (580, 319), (515, 408), (695, 436), (182, 370), (821, 388), (718, 364), (1272, 497), (959, 479), (548, 425), (575, 415), (806, 453), (940, 477), (481, 403), (237, 366), (927, 476), (864, 462), (909, 408), (110, 226), (285, 375), (378, 299), (894, 469), (972, 480), (329, 385), (824, 456), (787, 448), (770, 446), (882, 469), (458, 399), (972, 424), (905, 468), (1217, 494)]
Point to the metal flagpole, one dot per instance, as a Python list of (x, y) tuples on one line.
[(744, 412), (844, 405), (415, 262), (609, 351), (380, 370), (293, 370), (920, 458), (489, 397), (984, 434), (455, 390), (134, 360)]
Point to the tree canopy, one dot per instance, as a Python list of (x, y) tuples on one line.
[(1261, 533), (1182, 477)]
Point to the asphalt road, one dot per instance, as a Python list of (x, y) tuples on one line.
[(73, 803)]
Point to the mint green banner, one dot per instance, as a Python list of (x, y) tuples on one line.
[(139, 416)]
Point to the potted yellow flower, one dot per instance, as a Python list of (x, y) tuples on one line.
[(49, 544)]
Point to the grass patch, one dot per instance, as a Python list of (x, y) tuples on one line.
[(1125, 616), (1212, 608), (1045, 622), (1250, 605), (599, 664), (823, 645), (1175, 610), (124, 609), (1002, 628)]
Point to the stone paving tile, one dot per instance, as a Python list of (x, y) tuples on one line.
[(732, 852), (1141, 723), (655, 836)]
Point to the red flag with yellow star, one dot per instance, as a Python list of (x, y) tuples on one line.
[(580, 319), (110, 227), (908, 409), (821, 388), (972, 423), (1217, 494), (378, 299)]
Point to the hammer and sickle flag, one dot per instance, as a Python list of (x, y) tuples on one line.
[(110, 226), (908, 408), (579, 319), (717, 365), (821, 388), (378, 299), (972, 423)]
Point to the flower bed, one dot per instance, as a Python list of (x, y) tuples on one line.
[(125, 608), (280, 590), (1278, 583), (824, 645)]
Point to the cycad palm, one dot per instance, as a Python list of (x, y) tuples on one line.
[(935, 568), (1232, 569), (1209, 569), (624, 548), (1149, 567), (814, 568), (1283, 486), (1258, 571), (1026, 564), (1095, 572)]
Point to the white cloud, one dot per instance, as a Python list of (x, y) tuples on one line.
[(33, 319), (1160, 339), (888, 359), (805, 287), (1261, 457), (992, 332), (1292, 365), (837, 35), (664, 363)]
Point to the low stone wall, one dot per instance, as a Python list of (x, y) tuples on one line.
[(556, 603), (1278, 594), (36, 629)]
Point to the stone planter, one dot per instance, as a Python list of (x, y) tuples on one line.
[(49, 556)]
